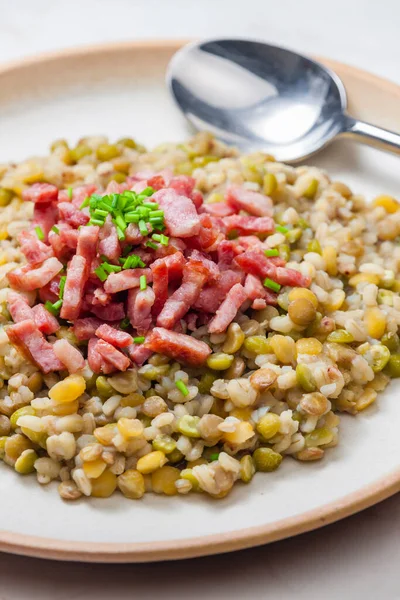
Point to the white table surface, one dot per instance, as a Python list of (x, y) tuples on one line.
[(355, 559)]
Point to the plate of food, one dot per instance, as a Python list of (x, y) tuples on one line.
[(196, 345)]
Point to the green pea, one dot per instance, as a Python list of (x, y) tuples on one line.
[(128, 143), (5, 196), (103, 387), (165, 443), (270, 184), (77, 153), (21, 412), (293, 235), (25, 463), (175, 456), (305, 378), (247, 468), (266, 459), (319, 437), (284, 251), (187, 425), (391, 341), (340, 336), (258, 344), (105, 152), (118, 177), (314, 246), (206, 382), (394, 366), (380, 356)]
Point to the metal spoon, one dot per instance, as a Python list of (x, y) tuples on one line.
[(259, 96)]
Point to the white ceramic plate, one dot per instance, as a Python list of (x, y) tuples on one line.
[(119, 90)]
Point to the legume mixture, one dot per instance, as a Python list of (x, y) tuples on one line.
[(174, 321)]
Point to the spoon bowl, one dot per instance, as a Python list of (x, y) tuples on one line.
[(263, 97)]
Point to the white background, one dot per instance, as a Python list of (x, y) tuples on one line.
[(355, 559)]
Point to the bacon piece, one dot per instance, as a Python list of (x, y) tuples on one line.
[(174, 262), (133, 235), (228, 309), (140, 303), (191, 320), (87, 242), (159, 270), (72, 215), (218, 209), (246, 225), (79, 194), (101, 297), (77, 275), (138, 353), (64, 242), (45, 321), (195, 276), (40, 193), (211, 296), (19, 307), (34, 250), (255, 263), (252, 202), (112, 312), (69, 355), (26, 336), (124, 280), (27, 279), (256, 291), (112, 356), (109, 243), (96, 361), (45, 216), (212, 268), (180, 213), (84, 329), (113, 336), (208, 236), (227, 251), (197, 199), (179, 346), (51, 291)]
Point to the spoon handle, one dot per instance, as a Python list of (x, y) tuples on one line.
[(372, 135)]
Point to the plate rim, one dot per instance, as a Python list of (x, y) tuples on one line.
[(368, 495)]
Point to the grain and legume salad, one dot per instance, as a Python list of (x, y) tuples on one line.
[(174, 321)]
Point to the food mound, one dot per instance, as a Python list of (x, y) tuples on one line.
[(176, 320)]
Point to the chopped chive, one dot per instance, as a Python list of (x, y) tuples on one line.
[(272, 252), (126, 250), (182, 387), (151, 205), (132, 218), (143, 282), (39, 232), (139, 339), (111, 268), (55, 229), (125, 323), (101, 274), (156, 237), (156, 220), (96, 222), (120, 222), (143, 228), (272, 285), (100, 212), (54, 309), (62, 286), (69, 192), (120, 233), (147, 191), (114, 203), (156, 213), (164, 240), (151, 245), (214, 456), (281, 229), (85, 203)]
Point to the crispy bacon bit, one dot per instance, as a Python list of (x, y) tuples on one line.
[(112, 312), (256, 291), (96, 361), (179, 346), (64, 242), (246, 225), (45, 216), (212, 295), (212, 268), (252, 202), (125, 280), (79, 194), (109, 244), (218, 209), (34, 250), (26, 336), (133, 235), (27, 279), (180, 213), (112, 356), (159, 270), (227, 251), (69, 355), (40, 193), (113, 336), (255, 263), (77, 275), (140, 303), (195, 275), (46, 322), (174, 262), (84, 329), (87, 242), (72, 215), (138, 353), (228, 309), (19, 307)]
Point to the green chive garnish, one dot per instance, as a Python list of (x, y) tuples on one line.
[(214, 456), (164, 240), (272, 252), (85, 203), (272, 285), (54, 309), (138, 340), (151, 245), (101, 274), (143, 228), (39, 232), (55, 229), (96, 222), (63, 279), (111, 268), (281, 229), (143, 282), (182, 387), (125, 323), (69, 192)]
